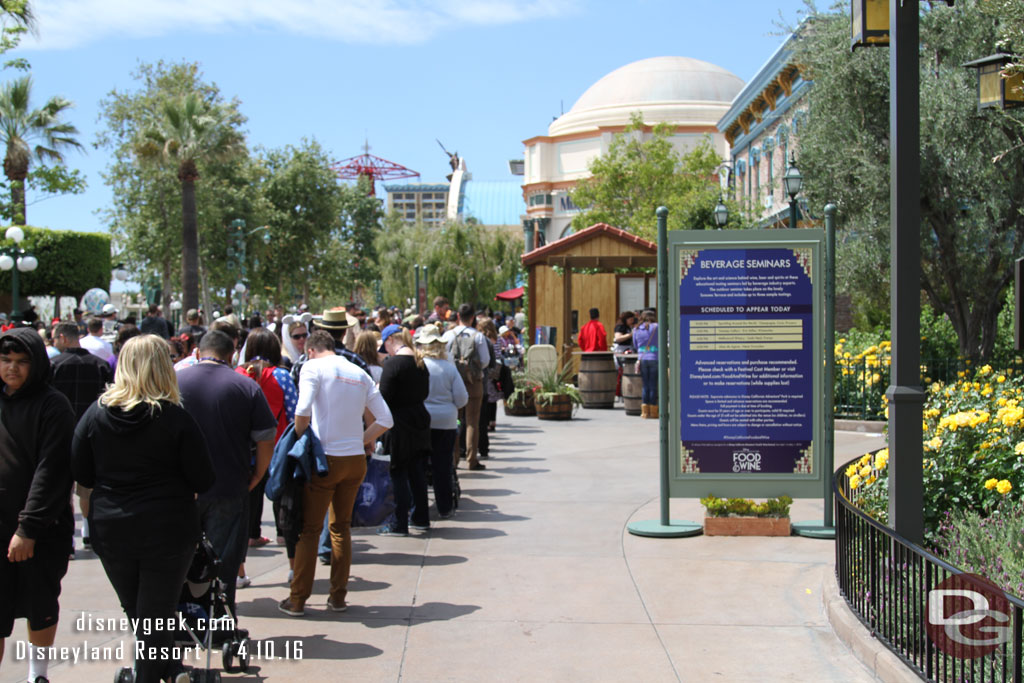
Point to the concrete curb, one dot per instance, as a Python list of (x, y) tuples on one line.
[(866, 426), (876, 657)]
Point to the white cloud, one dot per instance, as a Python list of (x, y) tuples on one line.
[(71, 23)]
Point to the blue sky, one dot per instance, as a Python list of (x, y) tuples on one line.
[(480, 75)]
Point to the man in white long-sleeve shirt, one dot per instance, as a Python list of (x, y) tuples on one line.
[(334, 396)]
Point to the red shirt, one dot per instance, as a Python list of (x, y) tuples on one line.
[(593, 337)]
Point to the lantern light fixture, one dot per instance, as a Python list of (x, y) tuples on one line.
[(995, 89)]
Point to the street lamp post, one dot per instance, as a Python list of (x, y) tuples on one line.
[(721, 213), (236, 251), (793, 181), (16, 256)]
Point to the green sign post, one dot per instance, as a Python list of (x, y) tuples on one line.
[(741, 392)]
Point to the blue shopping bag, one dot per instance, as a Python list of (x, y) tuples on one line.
[(375, 502)]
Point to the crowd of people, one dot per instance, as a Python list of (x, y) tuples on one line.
[(169, 435)]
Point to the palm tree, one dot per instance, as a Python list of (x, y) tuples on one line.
[(191, 131), (21, 126)]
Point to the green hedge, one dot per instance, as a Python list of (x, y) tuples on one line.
[(69, 263)]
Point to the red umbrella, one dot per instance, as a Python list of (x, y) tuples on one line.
[(510, 294)]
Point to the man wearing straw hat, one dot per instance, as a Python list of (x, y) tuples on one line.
[(335, 322)]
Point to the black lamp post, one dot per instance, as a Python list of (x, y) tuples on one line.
[(793, 182), (721, 213)]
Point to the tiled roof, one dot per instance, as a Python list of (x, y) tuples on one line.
[(587, 234)]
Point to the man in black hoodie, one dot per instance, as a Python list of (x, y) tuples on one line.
[(36, 522)]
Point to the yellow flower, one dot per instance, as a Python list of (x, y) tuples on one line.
[(1001, 378), (851, 470), (933, 444), (991, 483), (1004, 487), (870, 480), (865, 472), (984, 370), (854, 481), (881, 460), (1019, 449), (865, 460)]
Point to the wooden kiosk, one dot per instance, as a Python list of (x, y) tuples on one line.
[(560, 299)]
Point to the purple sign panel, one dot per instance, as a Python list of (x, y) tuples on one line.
[(746, 357)]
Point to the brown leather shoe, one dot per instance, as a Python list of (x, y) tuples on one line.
[(477, 465)]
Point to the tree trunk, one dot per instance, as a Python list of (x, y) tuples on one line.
[(189, 245)]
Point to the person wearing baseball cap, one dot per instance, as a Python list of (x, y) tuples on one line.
[(385, 333)]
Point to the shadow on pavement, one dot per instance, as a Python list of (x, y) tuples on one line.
[(455, 533), (384, 615), (323, 586), (407, 559), (489, 492), (518, 470), (317, 647)]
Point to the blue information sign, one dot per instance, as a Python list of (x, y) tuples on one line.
[(746, 368), (746, 358)]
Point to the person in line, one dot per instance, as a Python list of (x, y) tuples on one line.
[(192, 327), (622, 335), (468, 349), (645, 339), (593, 336), (232, 414), (405, 385), (295, 335), (447, 394), (153, 323), (36, 522), (492, 394), (440, 312), (82, 377), (334, 395), (124, 333), (145, 459), (336, 324), (367, 348), (262, 364), (94, 342)]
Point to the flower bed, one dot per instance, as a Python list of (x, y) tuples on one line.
[(973, 434)]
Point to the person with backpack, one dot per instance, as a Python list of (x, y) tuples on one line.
[(470, 352)]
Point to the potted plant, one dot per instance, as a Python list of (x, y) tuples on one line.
[(744, 517), (521, 400), (554, 397)]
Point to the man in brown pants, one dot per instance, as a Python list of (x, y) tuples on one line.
[(468, 349)]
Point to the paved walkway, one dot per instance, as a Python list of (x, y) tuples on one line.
[(536, 579)]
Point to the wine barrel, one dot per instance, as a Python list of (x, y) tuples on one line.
[(631, 385), (597, 379), (559, 408)]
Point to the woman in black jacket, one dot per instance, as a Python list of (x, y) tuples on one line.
[(145, 459)]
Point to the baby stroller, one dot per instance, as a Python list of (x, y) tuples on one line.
[(208, 620)]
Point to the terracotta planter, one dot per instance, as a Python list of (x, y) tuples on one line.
[(746, 526), (559, 408), (525, 406)]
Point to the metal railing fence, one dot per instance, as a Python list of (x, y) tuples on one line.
[(888, 582)]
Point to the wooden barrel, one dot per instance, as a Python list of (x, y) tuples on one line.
[(630, 385), (558, 408), (597, 379)]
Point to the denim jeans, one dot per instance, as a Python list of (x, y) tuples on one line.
[(649, 381), (225, 522), (442, 441)]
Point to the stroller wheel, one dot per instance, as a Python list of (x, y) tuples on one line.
[(228, 651), (245, 647), (124, 675)]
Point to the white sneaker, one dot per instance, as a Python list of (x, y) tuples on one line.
[(242, 581)]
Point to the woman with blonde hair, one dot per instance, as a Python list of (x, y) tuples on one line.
[(145, 459), (447, 394)]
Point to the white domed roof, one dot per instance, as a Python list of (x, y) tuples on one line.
[(678, 90)]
